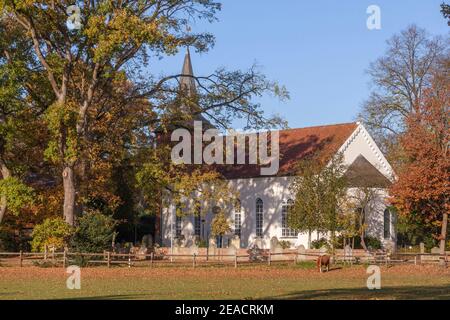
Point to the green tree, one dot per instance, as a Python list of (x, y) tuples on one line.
[(319, 189), (94, 233), (22, 100), (304, 215), (220, 225)]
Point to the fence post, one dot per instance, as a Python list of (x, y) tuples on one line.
[(235, 259), (129, 260), (151, 259), (415, 260), (270, 258), (45, 252), (109, 259), (295, 258), (64, 258), (193, 260), (21, 258)]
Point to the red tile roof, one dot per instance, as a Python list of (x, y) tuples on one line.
[(319, 142)]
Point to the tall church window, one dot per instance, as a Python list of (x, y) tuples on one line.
[(259, 217), (197, 219), (285, 230), (178, 224), (387, 224), (237, 218), (197, 224)]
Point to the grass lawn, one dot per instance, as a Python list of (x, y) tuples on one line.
[(260, 282)]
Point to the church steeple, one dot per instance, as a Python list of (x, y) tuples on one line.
[(187, 81), (188, 87)]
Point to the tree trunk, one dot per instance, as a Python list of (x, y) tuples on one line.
[(69, 195), (333, 242), (2, 208), (363, 243), (309, 239), (443, 237), (361, 224), (5, 174)]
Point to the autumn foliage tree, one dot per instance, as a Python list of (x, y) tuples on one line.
[(423, 185), (98, 75)]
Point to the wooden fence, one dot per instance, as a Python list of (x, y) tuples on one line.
[(109, 259)]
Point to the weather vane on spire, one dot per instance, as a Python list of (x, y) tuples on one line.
[(188, 30)]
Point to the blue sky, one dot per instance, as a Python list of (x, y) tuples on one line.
[(318, 49)]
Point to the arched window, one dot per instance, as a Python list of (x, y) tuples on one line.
[(285, 230), (387, 224), (197, 219), (237, 217), (259, 217), (178, 225)]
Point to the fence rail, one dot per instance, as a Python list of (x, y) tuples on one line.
[(152, 259)]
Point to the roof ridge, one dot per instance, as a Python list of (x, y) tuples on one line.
[(322, 126)]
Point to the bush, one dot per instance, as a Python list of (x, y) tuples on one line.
[(317, 244), (94, 233), (44, 264), (52, 232), (430, 242), (285, 244), (373, 243), (18, 195), (203, 244), (7, 240)]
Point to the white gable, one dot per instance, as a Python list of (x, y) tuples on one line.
[(361, 143)]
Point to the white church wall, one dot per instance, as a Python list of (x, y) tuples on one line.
[(274, 191)]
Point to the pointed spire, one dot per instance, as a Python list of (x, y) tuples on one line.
[(187, 82)]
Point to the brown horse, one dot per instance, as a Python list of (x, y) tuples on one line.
[(323, 261)]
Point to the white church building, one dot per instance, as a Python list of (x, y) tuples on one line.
[(264, 200)]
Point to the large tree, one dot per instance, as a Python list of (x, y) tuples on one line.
[(115, 44), (423, 186), (398, 79)]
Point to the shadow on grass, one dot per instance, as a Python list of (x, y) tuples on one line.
[(111, 297), (400, 293)]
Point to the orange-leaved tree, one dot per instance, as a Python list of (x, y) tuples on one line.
[(423, 185)]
